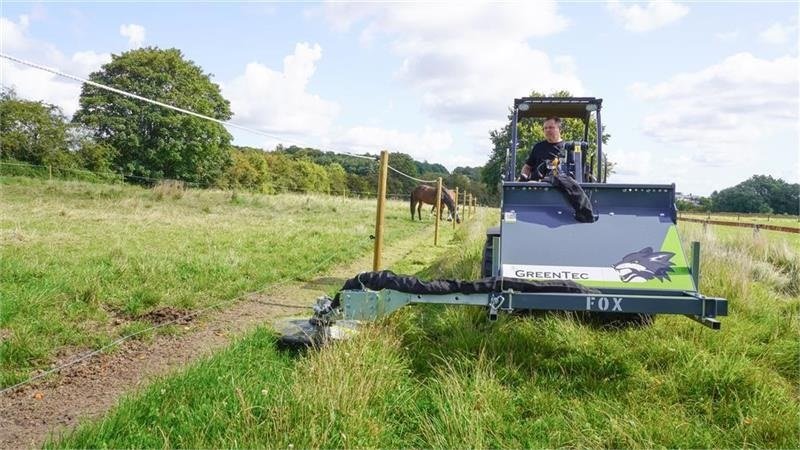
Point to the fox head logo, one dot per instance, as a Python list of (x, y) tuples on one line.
[(644, 265)]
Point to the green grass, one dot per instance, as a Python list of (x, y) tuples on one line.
[(80, 263), (445, 377)]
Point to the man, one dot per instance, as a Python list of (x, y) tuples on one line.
[(535, 167)]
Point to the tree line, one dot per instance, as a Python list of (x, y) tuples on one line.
[(759, 194)]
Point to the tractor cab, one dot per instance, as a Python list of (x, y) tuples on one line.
[(573, 160)]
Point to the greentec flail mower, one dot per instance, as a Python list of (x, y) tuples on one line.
[(626, 263)]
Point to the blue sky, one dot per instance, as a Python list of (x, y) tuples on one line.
[(700, 94)]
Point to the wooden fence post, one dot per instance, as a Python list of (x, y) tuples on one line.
[(456, 209), (382, 173), (438, 210)]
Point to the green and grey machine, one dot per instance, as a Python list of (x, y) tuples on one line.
[(628, 262)]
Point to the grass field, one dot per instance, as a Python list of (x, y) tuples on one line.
[(436, 376), (82, 264)]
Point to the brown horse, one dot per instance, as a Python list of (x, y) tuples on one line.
[(427, 194)]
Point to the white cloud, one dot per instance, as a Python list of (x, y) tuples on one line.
[(34, 84), (726, 103), (134, 33), (656, 14), (777, 33), (14, 33), (465, 77), (737, 117), (277, 101), (631, 166)]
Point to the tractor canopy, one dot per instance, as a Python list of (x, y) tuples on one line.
[(566, 107)]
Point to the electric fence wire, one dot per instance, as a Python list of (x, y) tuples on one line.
[(168, 106), (410, 177), (118, 341)]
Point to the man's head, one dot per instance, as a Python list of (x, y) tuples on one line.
[(552, 129)]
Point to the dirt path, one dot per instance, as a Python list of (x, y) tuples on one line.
[(90, 388)]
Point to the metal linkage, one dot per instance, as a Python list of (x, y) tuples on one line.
[(370, 305)]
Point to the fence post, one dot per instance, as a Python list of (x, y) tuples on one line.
[(376, 258), (463, 208), (456, 212), (438, 210)]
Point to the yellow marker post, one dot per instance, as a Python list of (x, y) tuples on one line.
[(382, 173)]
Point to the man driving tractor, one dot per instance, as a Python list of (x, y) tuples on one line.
[(535, 167)]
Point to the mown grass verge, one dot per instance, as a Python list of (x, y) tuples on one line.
[(435, 376), (82, 264)]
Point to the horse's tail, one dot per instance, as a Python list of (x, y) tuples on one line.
[(411, 198)]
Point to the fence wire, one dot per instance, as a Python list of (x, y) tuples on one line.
[(171, 107)]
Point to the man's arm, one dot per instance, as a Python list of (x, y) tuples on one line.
[(526, 172)]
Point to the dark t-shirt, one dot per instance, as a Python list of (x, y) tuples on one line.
[(540, 153)]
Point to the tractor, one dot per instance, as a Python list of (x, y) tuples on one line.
[(626, 263)]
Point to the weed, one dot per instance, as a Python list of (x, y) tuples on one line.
[(174, 189)]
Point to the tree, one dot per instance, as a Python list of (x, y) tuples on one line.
[(398, 184), (34, 132), (530, 132), (759, 194), (337, 177), (739, 199), (154, 141)]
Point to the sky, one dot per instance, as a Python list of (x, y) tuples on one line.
[(700, 94)]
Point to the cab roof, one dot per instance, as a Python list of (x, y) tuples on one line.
[(574, 107)]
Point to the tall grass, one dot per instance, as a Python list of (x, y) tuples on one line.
[(445, 377)]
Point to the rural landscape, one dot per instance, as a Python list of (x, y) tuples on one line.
[(153, 262)]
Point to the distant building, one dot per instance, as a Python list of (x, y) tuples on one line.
[(689, 198)]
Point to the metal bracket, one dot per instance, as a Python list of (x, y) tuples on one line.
[(495, 301), (325, 314)]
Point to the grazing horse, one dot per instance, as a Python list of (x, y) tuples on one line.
[(427, 194)]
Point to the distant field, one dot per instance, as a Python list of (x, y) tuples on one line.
[(777, 220), (445, 377), (82, 264)]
